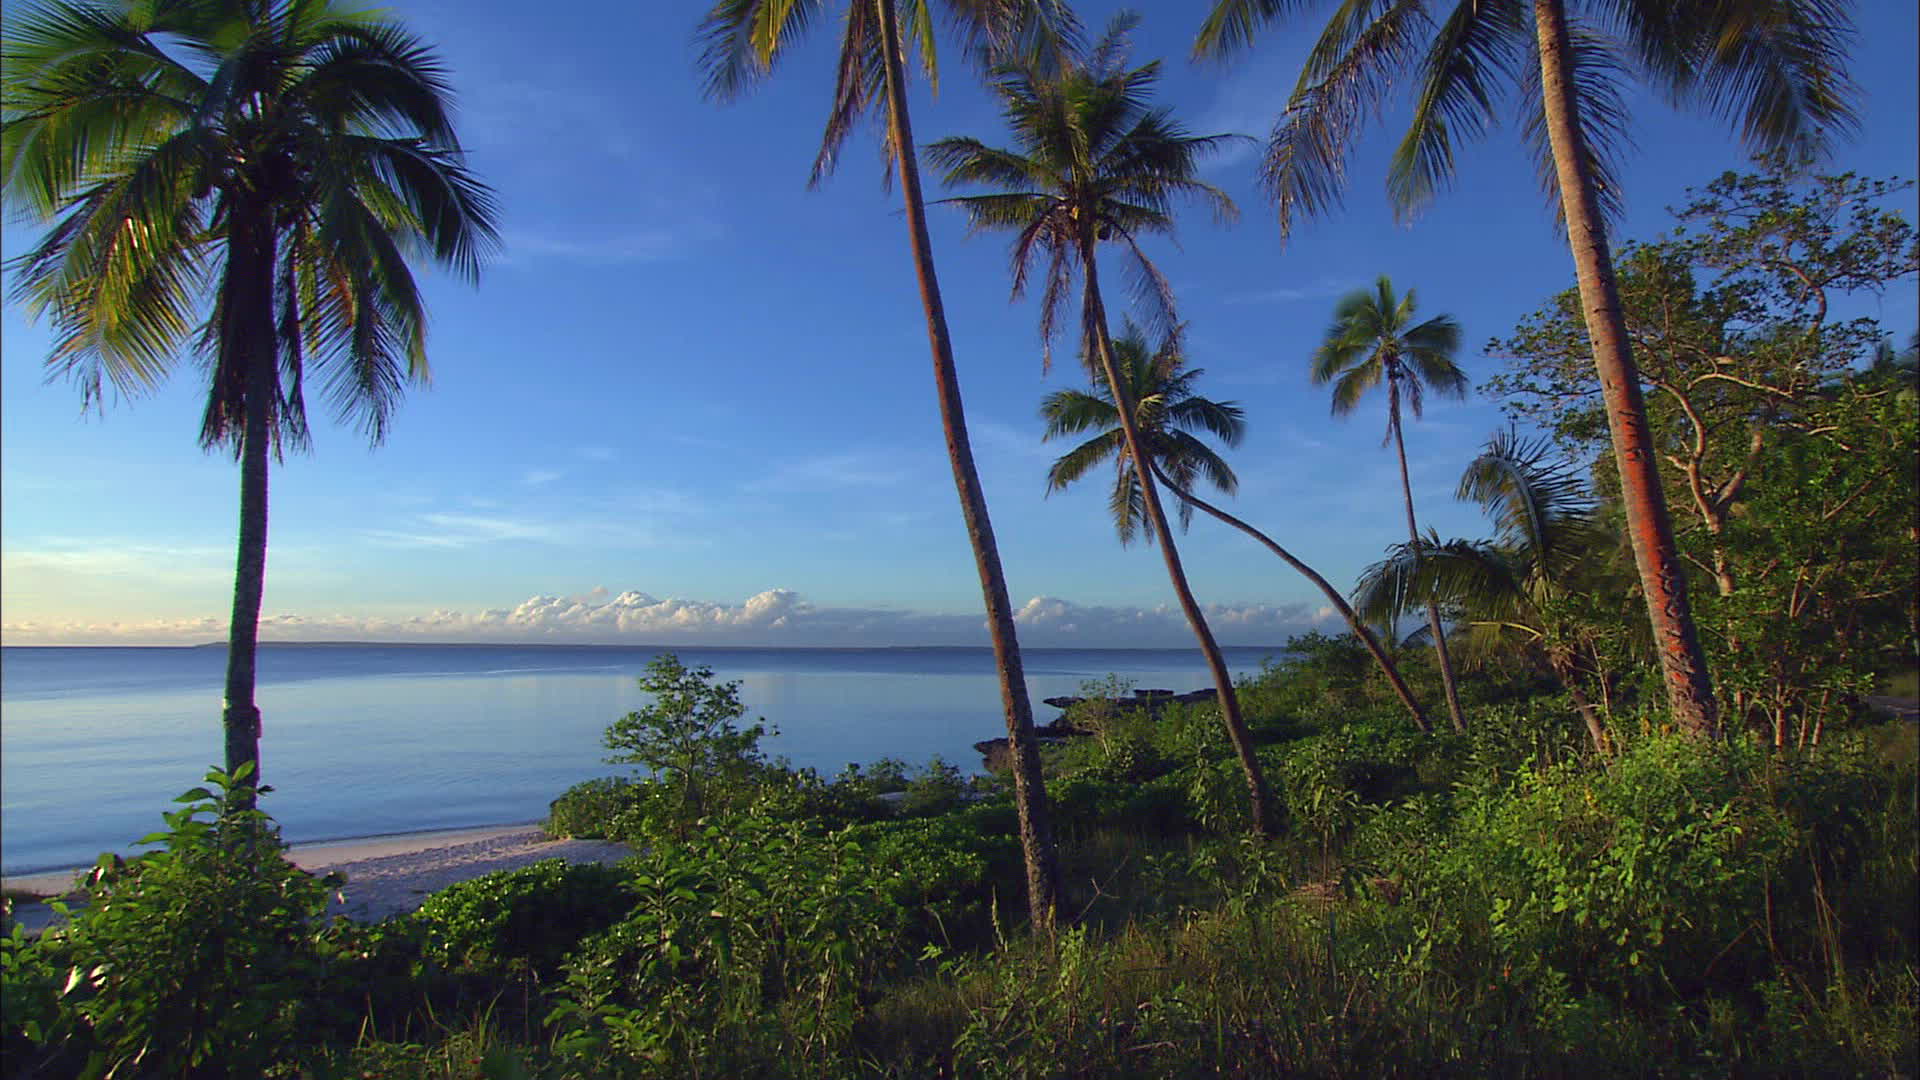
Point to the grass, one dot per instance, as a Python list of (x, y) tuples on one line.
[(1903, 683)]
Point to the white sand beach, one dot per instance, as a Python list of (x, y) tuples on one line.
[(385, 874)]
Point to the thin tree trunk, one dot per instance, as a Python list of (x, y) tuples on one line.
[(1029, 789), (1662, 578), (1413, 534), (1332, 594), (1569, 677), (1259, 800), (248, 311)]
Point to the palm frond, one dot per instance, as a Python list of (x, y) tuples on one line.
[(1305, 168), (1777, 67), (1481, 44)]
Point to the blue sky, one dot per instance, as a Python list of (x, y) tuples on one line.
[(693, 403)]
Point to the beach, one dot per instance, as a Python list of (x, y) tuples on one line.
[(386, 875)]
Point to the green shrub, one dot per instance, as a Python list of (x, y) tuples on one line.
[(1634, 881), (754, 939), (197, 959), (936, 788), (688, 740), (526, 919), (588, 810)]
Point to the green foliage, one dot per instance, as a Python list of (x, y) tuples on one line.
[(196, 959), (587, 810), (936, 788), (687, 736), (1633, 881), (527, 918), (756, 928)]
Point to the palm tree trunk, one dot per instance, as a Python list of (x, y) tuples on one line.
[(248, 307), (1029, 789), (1332, 594), (1413, 534), (1662, 578), (1259, 800), (1569, 677)]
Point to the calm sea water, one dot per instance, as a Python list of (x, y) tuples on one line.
[(367, 740)]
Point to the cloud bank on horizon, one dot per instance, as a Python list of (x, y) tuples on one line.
[(776, 617)]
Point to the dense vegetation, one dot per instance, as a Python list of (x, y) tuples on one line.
[(1494, 901), (1674, 841)]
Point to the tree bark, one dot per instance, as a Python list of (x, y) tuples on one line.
[(248, 311), (1662, 578), (1332, 594), (1569, 677), (1413, 534), (1259, 800), (1029, 789)]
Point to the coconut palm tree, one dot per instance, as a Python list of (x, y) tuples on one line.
[(1097, 164), (1548, 547), (1167, 413), (1170, 417), (250, 177), (742, 41), (1775, 65), (1374, 340)]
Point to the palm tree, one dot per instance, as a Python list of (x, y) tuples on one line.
[(1168, 415), (1374, 339), (743, 40), (276, 163), (1096, 164), (1776, 65), (1548, 546)]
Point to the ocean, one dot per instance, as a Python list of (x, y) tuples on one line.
[(372, 740)]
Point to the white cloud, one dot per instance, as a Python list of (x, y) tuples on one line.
[(773, 617)]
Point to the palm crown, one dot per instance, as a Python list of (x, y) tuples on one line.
[(1169, 416), (171, 142), (1094, 162), (1772, 65), (1373, 338)]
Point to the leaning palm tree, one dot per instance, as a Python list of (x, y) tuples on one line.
[(1097, 164), (742, 41), (1547, 547), (248, 179), (1776, 65), (1170, 418), (1374, 340)]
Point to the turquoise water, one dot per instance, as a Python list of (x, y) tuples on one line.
[(366, 740)]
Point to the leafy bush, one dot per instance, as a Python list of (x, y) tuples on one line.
[(588, 810), (936, 788), (197, 959), (1632, 881), (527, 918), (687, 737), (757, 928)]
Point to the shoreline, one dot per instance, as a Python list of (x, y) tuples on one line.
[(307, 854)]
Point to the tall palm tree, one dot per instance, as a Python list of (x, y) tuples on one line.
[(743, 39), (1097, 164), (1168, 415), (1775, 65), (1548, 545), (250, 176), (1373, 340)]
